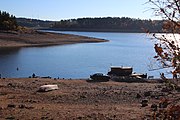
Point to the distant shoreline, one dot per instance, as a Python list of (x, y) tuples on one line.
[(99, 30), (36, 38), (94, 30)]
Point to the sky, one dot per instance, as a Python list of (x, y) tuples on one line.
[(69, 9)]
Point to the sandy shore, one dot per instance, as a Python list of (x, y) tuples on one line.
[(76, 99), (35, 38)]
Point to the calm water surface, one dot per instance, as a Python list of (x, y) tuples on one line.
[(80, 60)]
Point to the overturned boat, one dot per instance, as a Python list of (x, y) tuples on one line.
[(46, 88)]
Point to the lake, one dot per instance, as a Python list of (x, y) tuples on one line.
[(80, 60)]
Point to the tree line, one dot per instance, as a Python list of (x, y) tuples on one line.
[(7, 21), (111, 24), (123, 24), (34, 23)]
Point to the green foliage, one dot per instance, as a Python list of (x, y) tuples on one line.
[(7, 21), (123, 24)]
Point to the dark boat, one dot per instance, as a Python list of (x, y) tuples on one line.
[(99, 77)]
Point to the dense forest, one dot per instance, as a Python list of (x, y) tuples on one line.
[(10, 22), (34, 23), (111, 24), (7, 21), (106, 24)]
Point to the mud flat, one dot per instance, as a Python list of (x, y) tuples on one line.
[(77, 99)]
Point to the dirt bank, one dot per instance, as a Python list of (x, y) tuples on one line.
[(36, 38)]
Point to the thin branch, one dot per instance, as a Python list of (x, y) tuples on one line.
[(177, 5)]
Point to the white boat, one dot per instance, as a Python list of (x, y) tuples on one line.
[(46, 88)]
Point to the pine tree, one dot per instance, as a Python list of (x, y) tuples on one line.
[(7, 21)]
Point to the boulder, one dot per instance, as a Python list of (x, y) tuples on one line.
[(144, 103)]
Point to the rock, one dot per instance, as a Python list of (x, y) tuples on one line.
[(159, 86), (10, 84), (83, 96), (148, 93), (153, 96), (3, 93), (22, 106), (138, 95), (154, 107), (10, 118), (11, 97), (29, 107), (44, 118), (144, 103), (163, 104), (164, 90), (33, 82), (157, 97), (31, 101), (178, 88), (167, 89), (11, 106), (79, 118)]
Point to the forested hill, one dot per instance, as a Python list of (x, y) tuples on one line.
[(106, 24), (109, 24), (34, 23)]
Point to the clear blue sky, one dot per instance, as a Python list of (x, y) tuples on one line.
[(65, 9)]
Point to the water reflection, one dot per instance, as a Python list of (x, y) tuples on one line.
[(10, 50), (9, 61)]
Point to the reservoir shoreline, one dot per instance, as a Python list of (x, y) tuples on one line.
[(39, 38)]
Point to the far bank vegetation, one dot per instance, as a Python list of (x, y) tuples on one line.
[(109, 24)]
